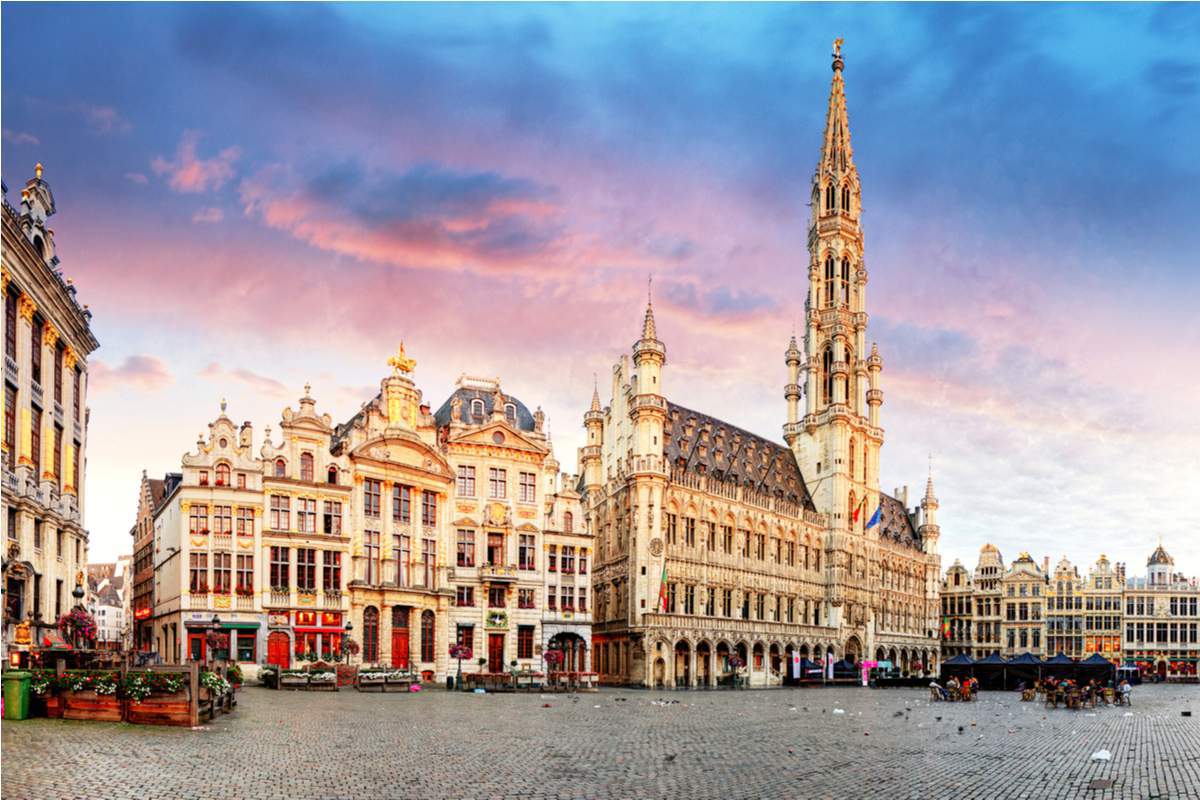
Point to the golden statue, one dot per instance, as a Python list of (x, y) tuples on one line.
[(401, 362), (837, 46)]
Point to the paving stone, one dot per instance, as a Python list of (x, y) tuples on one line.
[(720, 744)]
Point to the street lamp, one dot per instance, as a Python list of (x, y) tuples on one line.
[(216, 625)]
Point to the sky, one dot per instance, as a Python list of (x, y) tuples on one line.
[(255, 197)]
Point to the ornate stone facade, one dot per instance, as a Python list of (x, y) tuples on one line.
[(713, 542), (47, 341)]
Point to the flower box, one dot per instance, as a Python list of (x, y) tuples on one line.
[(293, 680), (371, 680), (323, 681), (400, 681), (54, 706), (88, 705), (160, 709), (346, 674)]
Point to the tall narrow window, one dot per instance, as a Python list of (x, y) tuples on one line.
[(332, 571), (198, 564), (306, 515), (845, 281), (853, 450), (222, 572), (223, 519), (429, 563), (371, 491), (333, 518), (402, 552), (466, 548), (306, 569), (281, 568), (332, 475), (829, 276), (401, 504), (846, 198), (35, 355), (427, 641), (222, 474), (198, 519), (10, 321), (370, 646), (58, 369), (245, 573), (371, 553), (568, 522), (497, 483), (10, 420), (525, 551), (829, 195), (527, 487), (281, 513), (75, 398), (466, 481), (35, 441), (428, 508), (827, 376), (280, 468), (306, 467)]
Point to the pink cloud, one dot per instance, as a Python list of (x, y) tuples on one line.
[(208, 215), (191, 174), (103, 119), (136, 177), (259, 383), (143, 372), (20, 137)]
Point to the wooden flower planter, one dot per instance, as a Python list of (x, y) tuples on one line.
[(88, 705), (160, 709), (400, 683), (293, 681), (371, 681), (323, 684), (346, 674), (53, 703)]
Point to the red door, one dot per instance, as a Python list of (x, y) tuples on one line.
[(196, 647), (400, 648), (495, 652), (278, 652)]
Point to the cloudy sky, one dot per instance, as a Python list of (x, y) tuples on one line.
[(255, 197)]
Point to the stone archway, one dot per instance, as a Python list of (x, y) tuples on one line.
[(683, 664), (880, 655), (660, 672), (721, 667), (704, 667), (852, 652)]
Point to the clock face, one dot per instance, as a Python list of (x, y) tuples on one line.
[(656, 547)]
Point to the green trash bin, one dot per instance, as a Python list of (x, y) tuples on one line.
[(16, 694)]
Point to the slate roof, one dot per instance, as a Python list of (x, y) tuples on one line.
[(441, 417), (709, 446), (158, 493), (895, 523)]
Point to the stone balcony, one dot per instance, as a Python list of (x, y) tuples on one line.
[(498, 573)]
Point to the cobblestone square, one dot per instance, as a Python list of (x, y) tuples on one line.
[(618, 744)]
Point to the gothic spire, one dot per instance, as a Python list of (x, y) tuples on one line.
[(648, 330), (595, 395), (836, 152)]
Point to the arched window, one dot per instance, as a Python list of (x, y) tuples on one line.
[(829, 195), (845, 281), (306, 467), (829, 275), (846, 197), (332, 475), (568, 522), (510, 412), (853, 448), (222, 474), (400, 618), (427, 641), (477, 408), (370, 645), (827, 374), (280, 468)]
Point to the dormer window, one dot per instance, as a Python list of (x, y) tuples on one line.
[(280, 468), (204, 477), (332, 476), (477, 408), (510, 412), (222, 474)]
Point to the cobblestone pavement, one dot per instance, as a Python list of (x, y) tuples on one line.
[(616, 744)]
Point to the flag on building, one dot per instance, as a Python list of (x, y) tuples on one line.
[(874, 520), (945, 627), (662, 588)]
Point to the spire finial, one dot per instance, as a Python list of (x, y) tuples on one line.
[(649, 331), (307, 388), (222, 405), (401, 362), (37, 170), (595, 393), (838, 64)]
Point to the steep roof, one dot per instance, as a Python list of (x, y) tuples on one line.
[(158, 493), (895, 522), (709, 446)]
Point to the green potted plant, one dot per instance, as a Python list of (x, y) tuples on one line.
[(233, 674)]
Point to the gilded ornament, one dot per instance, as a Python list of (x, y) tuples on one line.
[(401, 363), (26, 307), (49, 335)]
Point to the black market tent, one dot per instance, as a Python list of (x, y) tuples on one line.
[(992, 672), (960, 665), (1026, 667), (1098, 667), (844, 669), (1061, 666)]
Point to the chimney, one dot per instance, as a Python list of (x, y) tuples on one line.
[(1046, 564)]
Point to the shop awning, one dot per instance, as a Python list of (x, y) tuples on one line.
[(318, 630), (240, 625)]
